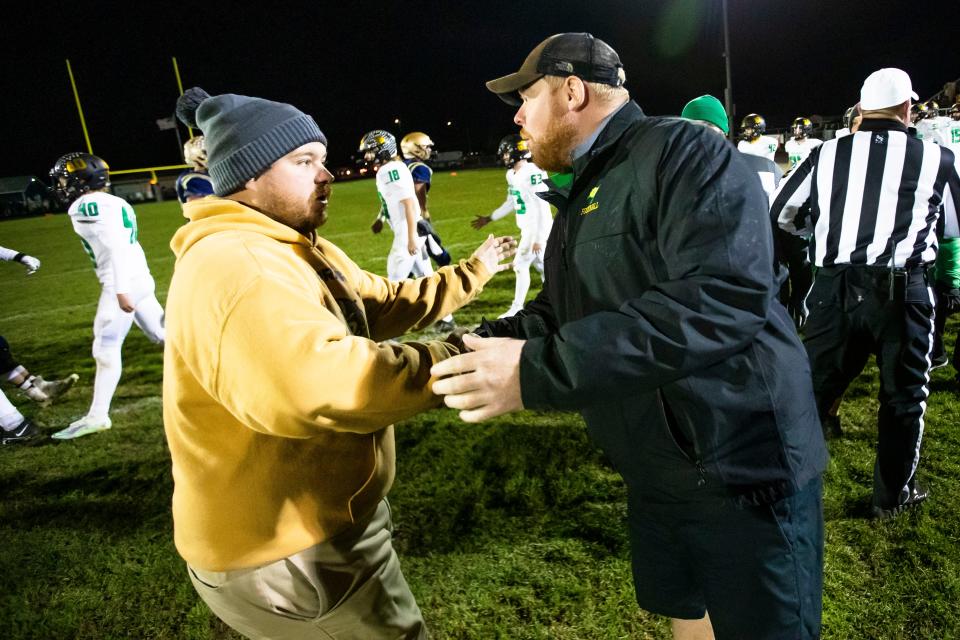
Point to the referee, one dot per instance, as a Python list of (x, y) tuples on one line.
[(873, 202)]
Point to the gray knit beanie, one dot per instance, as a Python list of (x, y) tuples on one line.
[(244, 135)]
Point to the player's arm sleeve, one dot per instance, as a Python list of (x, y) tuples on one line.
[(287, 366), (541, 208), (713, 298), (383, 213), (115, 239), (504, 209), (421, 173), (791, 196), (8, 255)]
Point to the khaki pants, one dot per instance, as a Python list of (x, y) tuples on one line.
[(347, 588)]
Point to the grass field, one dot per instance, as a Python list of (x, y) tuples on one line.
[(510, 529)]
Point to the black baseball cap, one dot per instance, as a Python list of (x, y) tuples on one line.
[(563, 54)]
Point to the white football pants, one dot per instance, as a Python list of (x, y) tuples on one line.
[(400, 263), (110, 328), (521, 267)]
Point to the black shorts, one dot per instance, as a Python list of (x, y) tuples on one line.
[(758, 570)]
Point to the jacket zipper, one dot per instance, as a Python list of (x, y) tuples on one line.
[(697, 462)]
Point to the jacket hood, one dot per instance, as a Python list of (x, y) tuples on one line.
[(212, 215)]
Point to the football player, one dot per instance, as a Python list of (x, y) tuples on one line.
[(14, 427), (417, 147), (107, 226), (918, 111), (194, 182), (953, 132), (851, 121), (524, 181), (800, 145), (9, 255), (400, 209), (752, 138), (932, 126)]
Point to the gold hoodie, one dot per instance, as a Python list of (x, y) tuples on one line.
[(278, 397)]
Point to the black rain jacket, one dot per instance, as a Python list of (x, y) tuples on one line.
[(659, 320)]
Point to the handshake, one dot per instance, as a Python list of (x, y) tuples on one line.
[(484, 380)]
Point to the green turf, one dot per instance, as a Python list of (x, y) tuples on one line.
[(510, 529)]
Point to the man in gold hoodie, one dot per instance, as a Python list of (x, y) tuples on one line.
[(279, 391)]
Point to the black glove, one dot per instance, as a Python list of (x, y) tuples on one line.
[(949, 300)]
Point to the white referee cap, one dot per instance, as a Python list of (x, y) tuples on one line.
[(886, 88)]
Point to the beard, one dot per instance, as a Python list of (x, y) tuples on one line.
[(303, 216), (554, 149), (318, 204)]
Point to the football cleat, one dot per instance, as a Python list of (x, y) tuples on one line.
[(82, 427), (513, 148), (417, 145), (53, 389), (77, 173), (24, 432), (916, 495), (378, 145)]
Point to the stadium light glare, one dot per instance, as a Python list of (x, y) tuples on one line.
[(449, 123)]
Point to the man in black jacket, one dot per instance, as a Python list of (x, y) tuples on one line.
[(659, 322)]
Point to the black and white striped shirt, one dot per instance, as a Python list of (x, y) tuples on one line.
[(873, 197)]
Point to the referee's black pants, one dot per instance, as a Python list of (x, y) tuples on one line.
[(852, 316)]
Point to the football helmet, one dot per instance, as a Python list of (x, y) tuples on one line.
[(850, 114), (195, 152), (752, 127), (955, 111), (513, 148), (801, 127), (378, 145), (417, 145), (932, 109), (76, 173), (918, 112)]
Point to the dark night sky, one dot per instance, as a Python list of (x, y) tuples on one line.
[(357, 65)]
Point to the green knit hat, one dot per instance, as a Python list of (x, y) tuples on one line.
[(708, 109)]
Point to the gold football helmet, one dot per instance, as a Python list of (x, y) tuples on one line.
[(417, 145), (195, 152)]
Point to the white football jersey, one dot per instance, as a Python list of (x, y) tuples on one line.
[(107, 227), (533, 213), (394, 184), (935, 130), (798, 150), (953, 137), (764, 146)]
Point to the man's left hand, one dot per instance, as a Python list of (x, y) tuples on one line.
[(485, 383)]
